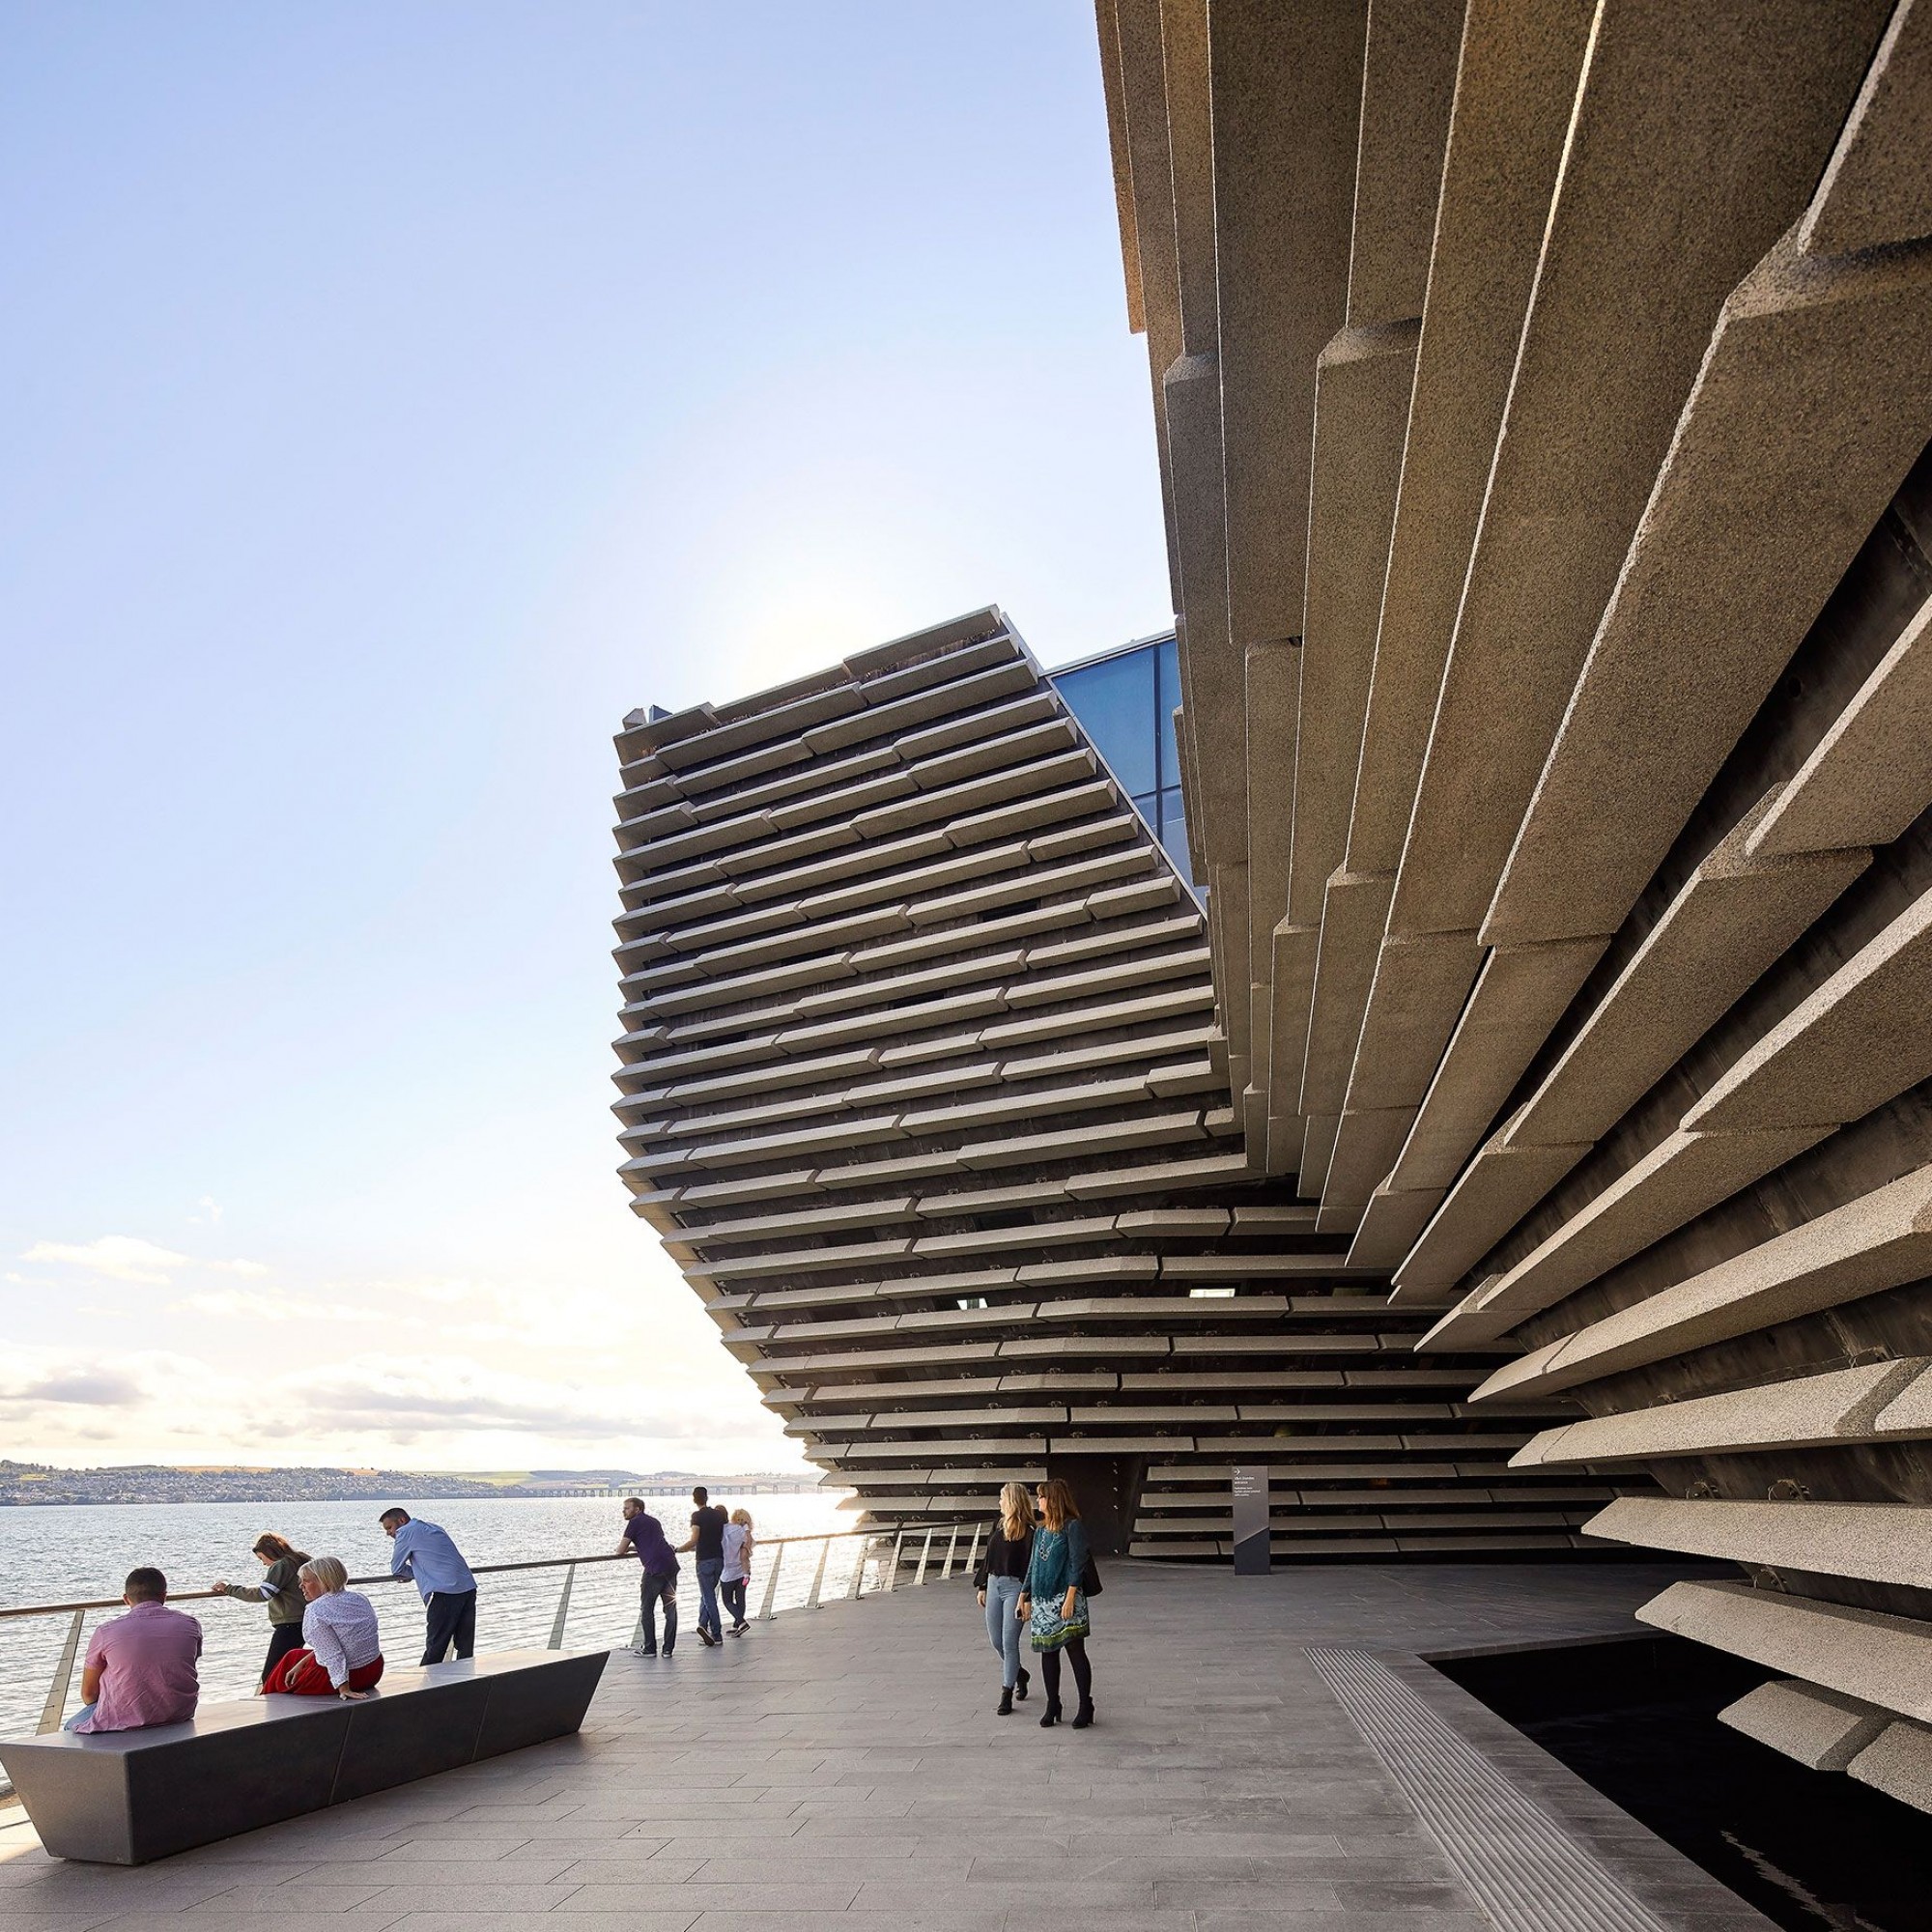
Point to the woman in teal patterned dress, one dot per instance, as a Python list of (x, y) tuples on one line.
[(1055, 1605)]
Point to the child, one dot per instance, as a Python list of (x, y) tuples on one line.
[(737, 1569)]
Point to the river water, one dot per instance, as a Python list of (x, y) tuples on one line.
[(64, 1555)]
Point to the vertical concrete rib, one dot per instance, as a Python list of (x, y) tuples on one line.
[(1587, 990)]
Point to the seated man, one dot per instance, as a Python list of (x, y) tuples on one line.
[(140, 1668)]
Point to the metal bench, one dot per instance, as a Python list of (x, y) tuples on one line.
[(126, 1796)]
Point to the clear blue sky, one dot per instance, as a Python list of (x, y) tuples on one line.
[(395, 397)]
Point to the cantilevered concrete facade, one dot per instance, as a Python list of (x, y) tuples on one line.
[(923, 1090), (1544, 391)]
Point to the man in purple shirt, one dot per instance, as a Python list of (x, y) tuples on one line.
[(140, 1668), (643, 1536)]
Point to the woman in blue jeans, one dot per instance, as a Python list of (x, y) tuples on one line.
[(1001, 1578)]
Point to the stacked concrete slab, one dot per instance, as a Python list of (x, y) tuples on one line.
[(922, 1088), (1544, 392)]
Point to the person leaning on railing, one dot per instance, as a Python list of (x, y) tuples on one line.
[(424, 1553), (342, 1653), (279, 1590), (657, 1580)]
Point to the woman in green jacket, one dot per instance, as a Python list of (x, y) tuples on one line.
[(1054, 1604), (279, 1590)]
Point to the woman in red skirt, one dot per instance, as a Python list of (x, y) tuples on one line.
[(342, 1650)]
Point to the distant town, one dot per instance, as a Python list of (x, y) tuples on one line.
[(38, 1483)]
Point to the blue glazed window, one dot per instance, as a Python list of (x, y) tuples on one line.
[(1114, 701), (1126, 704)]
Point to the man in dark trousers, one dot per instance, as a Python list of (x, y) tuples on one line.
[(707, 1541), (644, 1538), (432, 1562)]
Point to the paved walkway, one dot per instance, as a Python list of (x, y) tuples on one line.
[(842, 1770)]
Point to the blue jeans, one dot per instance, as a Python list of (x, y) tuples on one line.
[(1004, 1628), (709, 1570), (73, 1724)]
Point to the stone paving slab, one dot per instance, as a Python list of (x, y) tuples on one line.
[(842, 1769)]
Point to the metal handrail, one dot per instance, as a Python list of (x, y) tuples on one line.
[(476, 1569), (63, 1676)]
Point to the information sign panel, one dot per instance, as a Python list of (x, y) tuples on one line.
[(1251, 1520)]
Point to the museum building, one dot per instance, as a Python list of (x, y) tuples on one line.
[(1476, 1061)]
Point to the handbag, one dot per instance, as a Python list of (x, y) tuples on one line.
[(1090, 1578)]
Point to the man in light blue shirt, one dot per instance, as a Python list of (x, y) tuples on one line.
[(433, 1563)]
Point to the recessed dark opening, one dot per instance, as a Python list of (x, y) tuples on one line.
[(1637, 1720), (1106, 1489)]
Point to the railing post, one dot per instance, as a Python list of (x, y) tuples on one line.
[(925, 1555), (858, 1584), (562, 1608), (952, 1545), (973, 1554), (818, 1574), (771, 1583), (55, 1708), (893, 1571)]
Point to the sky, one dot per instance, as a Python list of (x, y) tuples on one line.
[(394, 397)]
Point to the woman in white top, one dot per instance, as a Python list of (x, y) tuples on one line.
[(737, 1569), (342, 1649)]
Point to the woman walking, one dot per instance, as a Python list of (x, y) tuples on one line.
[(343, 1652), (1055, 1600), (278, 1589), (739, 1543), (1000, 1581)]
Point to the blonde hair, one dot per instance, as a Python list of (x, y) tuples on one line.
[(1057, 1504), (327, 1570), (743, 1516), (1015, 1511)]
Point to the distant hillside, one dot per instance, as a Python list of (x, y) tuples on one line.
[(36, 1482)]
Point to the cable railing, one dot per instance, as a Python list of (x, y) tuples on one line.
[(530, 1606)]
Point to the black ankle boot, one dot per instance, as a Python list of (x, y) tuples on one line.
[(1006, 1709), (1083, 1717), (1025, 1683), (1051, 1714)]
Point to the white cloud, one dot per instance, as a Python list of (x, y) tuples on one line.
[(209, 1215), (272, 1305), (126, 1258), (435, 1397), (119, 1257), (408, 1411), (33, 1379)]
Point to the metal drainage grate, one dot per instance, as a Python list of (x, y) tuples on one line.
[(1526, 1872)]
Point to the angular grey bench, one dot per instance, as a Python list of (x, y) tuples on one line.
[(122, 1798)]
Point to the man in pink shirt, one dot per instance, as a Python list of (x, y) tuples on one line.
[(140, 1668)]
